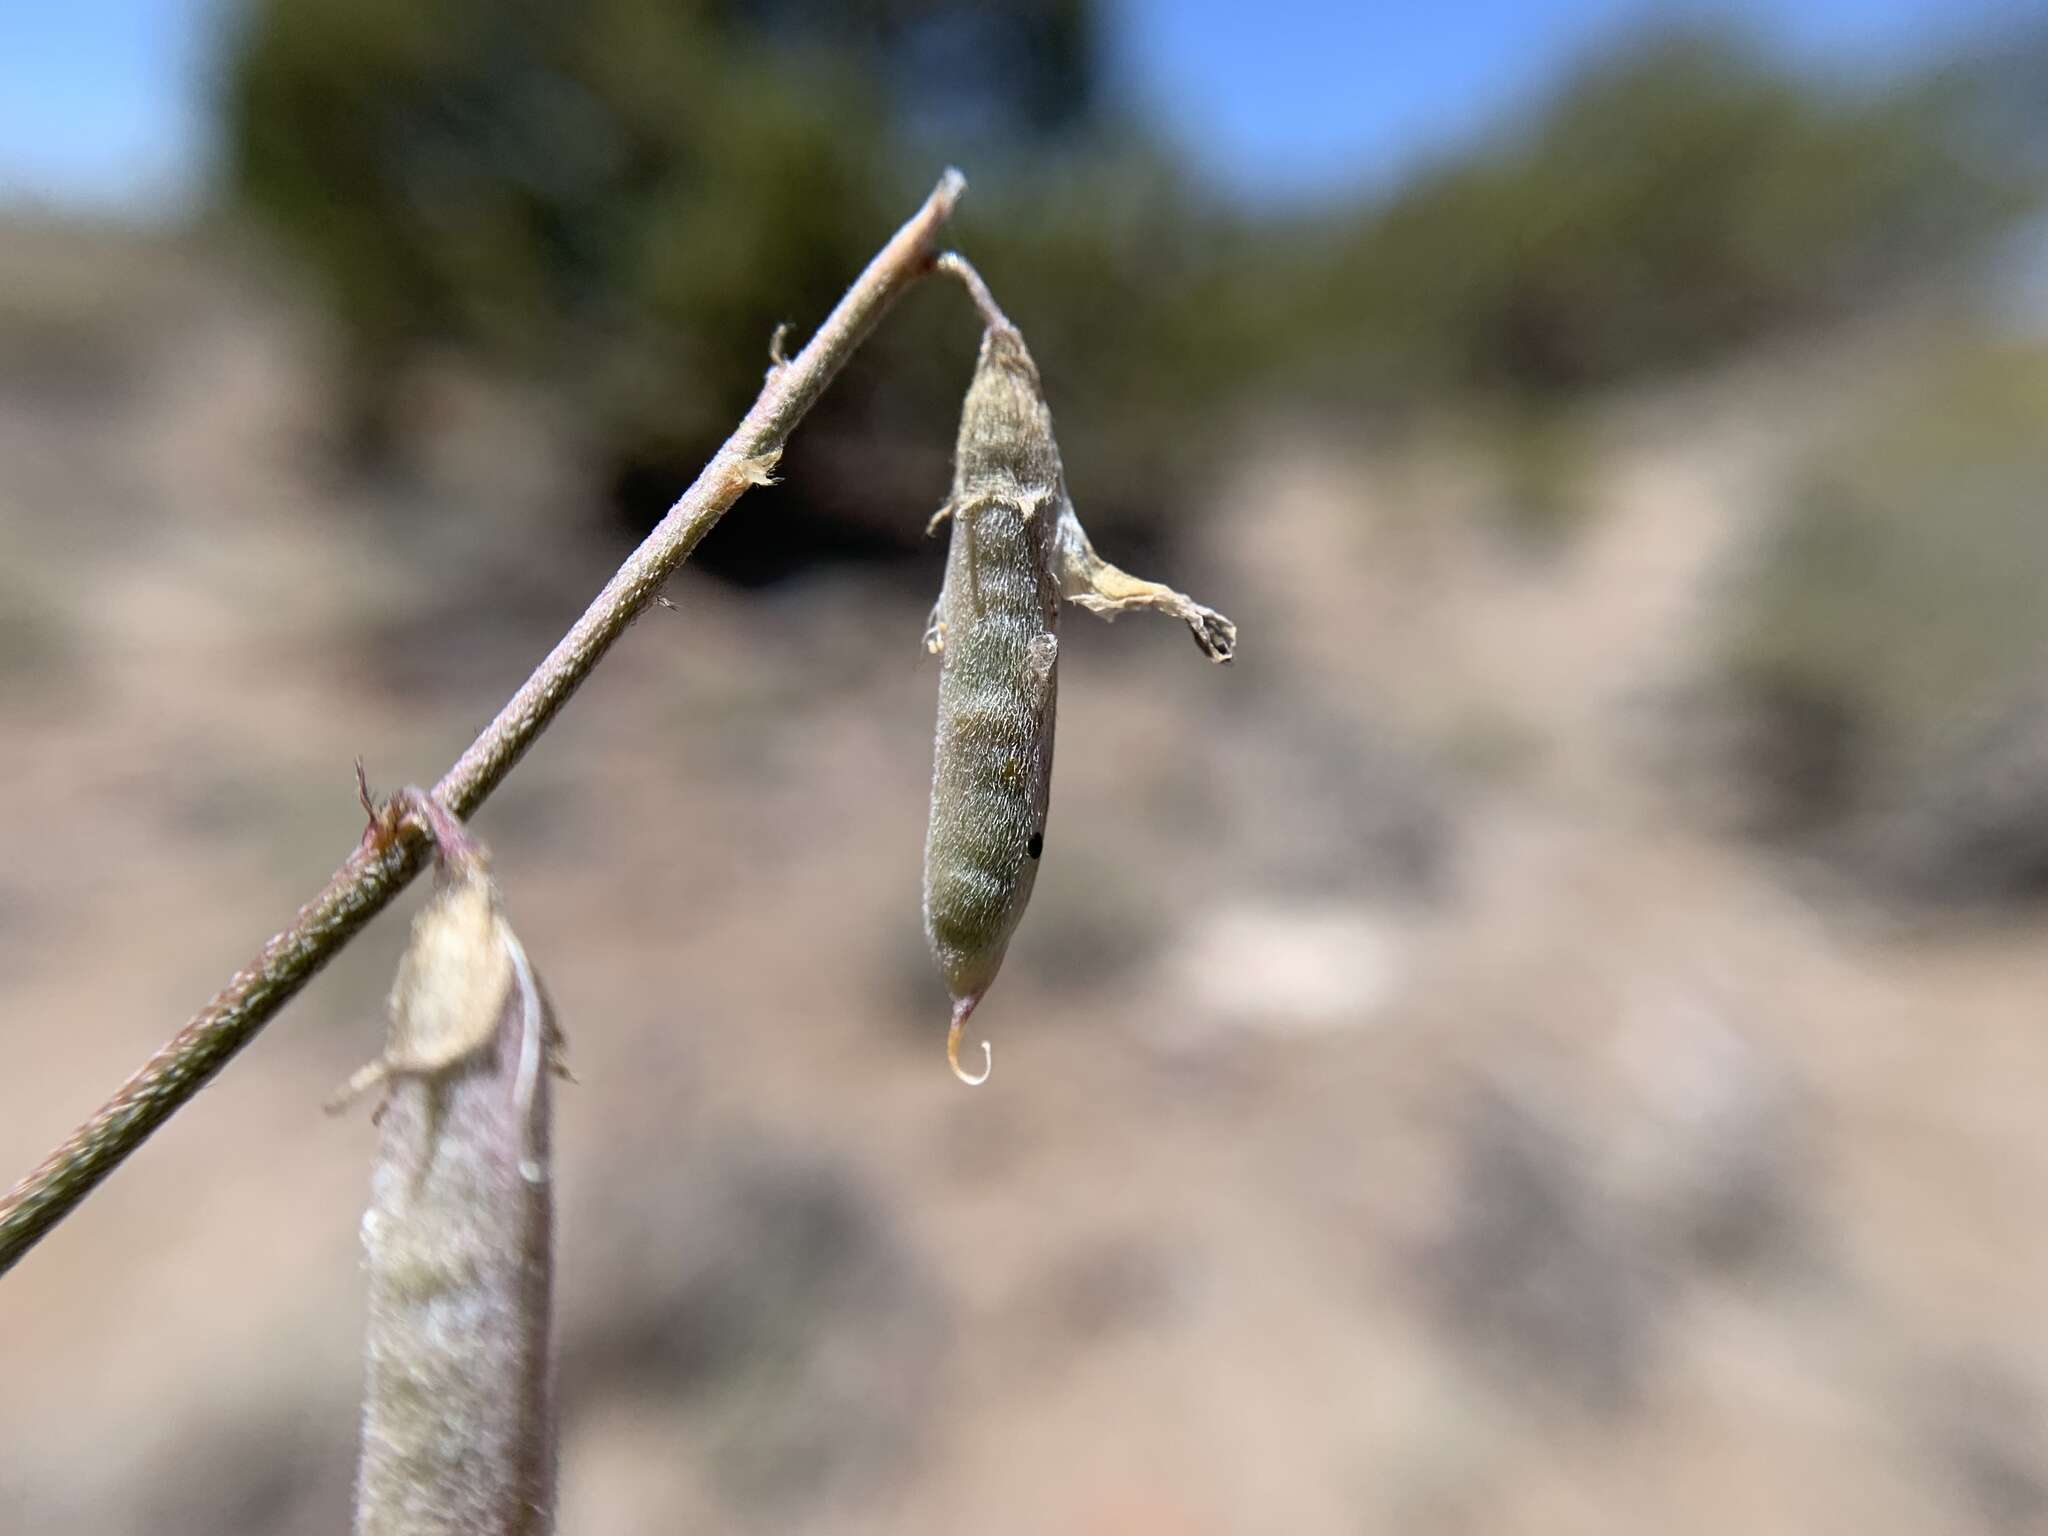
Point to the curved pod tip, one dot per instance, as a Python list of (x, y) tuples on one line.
[(962, 1007)]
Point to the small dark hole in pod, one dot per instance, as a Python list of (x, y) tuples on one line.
[(1037, 844)]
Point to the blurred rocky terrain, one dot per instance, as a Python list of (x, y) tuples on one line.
[(1434, 1091)]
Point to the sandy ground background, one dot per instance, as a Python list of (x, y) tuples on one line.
[(1413, 1111)]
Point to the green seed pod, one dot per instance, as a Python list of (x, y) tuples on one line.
[(1017, 550), (997, 628)]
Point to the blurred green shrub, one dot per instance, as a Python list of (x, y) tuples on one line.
[(1677, 197), (1883, 648), (623, 198)]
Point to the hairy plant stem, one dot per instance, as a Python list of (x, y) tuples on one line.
[(395, 848)]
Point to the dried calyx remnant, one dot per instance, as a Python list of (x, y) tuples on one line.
[(457, 1418), (1017, 550)]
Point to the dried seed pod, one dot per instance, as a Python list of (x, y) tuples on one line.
[(1017, 549), (457, 1427)]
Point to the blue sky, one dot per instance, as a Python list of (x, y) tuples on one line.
[(102, 102), (1290, 97)]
